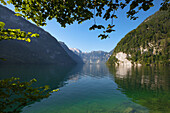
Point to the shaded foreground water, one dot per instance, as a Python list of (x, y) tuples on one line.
[(97, 88)]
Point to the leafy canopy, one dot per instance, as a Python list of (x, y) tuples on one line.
[(14, 95), (7, 34), (69, 11)]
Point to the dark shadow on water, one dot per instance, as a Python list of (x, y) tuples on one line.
[(147, 86), (52, 75)]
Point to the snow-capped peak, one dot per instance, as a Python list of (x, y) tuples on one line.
[(75, 50)]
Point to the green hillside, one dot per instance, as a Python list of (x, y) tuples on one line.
[(149, 43)]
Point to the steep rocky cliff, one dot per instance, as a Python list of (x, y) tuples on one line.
[(148, 44), (74, 56), (45, 49)]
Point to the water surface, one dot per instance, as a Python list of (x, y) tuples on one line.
[(97, 88)]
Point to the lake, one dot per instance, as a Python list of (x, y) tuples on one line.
[(96, 88)]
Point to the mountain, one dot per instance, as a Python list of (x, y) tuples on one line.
[(111, 52), (43, 50), (148, 44), (92, 57), (96, 57), (76, 51), (74, 56)]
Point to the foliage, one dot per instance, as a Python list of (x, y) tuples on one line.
[(14, 95), (7, 34), (153, 35), (69, 11), (113, 59)]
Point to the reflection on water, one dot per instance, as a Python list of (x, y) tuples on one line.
[(96, 88), (91, 70), (147, 86), (45, 74), (87, 89), (123, 71)]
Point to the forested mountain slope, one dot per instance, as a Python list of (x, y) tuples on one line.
[(148, 44)]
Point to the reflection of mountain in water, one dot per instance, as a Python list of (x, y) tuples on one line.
[(95, 70), (123, 71), (147, 86), (92, 70), (51, 75), (87, 88)]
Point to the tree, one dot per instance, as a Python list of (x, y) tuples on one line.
[(68, 11), (14, 95), (7, 34)]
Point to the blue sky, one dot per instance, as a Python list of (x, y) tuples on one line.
[(79, 36)]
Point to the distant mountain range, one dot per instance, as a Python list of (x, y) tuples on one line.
[(43, 50), (148, 44), (74, 56), (94, 57)]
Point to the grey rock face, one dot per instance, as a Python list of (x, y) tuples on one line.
[(74, 56), (45, 49), (94, 57)]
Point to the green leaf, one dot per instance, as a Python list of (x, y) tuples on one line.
[(9, 1), (55, 90), (3, 59), (18, 14), (114, 16), (109, 30), (2, 24), (3, 2)]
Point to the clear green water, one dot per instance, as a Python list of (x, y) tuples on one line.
[(97, 88)]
